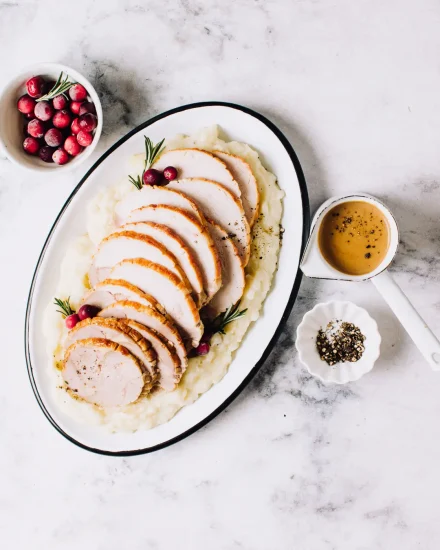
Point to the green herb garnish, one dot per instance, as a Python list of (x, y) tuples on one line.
[(136, 182), (151, 153), (60, 87), (65, 307), (231, 314)]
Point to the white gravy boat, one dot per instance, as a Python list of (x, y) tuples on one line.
[(313, 264)]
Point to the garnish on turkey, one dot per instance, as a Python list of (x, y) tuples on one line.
[(231, 314), (151, 153), (65, 307), (218, 325), (71, 318)]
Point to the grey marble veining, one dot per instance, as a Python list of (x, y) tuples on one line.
[(291, 463)]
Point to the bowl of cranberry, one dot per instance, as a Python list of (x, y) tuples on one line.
[(50, 118)]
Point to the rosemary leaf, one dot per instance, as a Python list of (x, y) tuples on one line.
[(231, 314), (136, 182), (60, 87), (151, 152), (65, 307)]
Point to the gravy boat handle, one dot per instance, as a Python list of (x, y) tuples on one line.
[(416, 327)]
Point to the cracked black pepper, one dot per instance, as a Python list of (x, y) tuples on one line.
[(340, 342)]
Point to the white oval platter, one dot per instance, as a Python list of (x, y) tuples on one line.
[(237, 123)]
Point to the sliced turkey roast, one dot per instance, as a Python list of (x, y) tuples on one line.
[(233, 279), (150, 318), (125, 245), (177, 248), (103, 373), (154, 195), (168, 290), (195, 163), (168, 362), (194, 235), (242, 173), (182, 253), (114, 330), (114, 290), (220, 205)]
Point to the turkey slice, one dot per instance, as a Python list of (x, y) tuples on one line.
[(125, 245), (195, 163), (103, 373), (114, 330), (233, 279), (150, 194), (182, 253), (218, 204), (150, 318), (242, 173), (168, 362), (194, 235), (114, 290), (168, 290)]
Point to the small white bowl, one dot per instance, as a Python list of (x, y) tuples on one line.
[(11, 120), (318, 318)]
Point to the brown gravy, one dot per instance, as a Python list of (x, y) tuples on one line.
[(354, 237)]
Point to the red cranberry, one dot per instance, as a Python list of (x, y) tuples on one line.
[(35, 128), (59, 102), (75, 106), (170, 173), (84, 138), (152, 177), (31, 145), (26, 104), (87, 122), (30, 116), (77, 92), (43, 110), (87, 107), (61, 119), (53, 137), (72, 320), (35, 86), (87, 311), (60, 156), (45, 153), (202, 349), (75, 126), (72, 146)]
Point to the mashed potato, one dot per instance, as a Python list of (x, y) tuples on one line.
[(204, 371)]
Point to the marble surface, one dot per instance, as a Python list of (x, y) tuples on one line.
[(291, 463)]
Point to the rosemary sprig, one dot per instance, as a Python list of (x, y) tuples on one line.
[(65, 307), (60, 87), (231, 314), (151, 153), (136, 181)]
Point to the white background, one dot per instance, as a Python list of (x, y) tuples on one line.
[(290, 464)]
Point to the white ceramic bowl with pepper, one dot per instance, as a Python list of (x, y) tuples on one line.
[(329, 318)]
